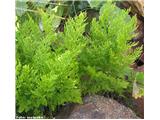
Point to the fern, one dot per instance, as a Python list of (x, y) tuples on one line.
[(43, 77), (107, 56), (56, 68)]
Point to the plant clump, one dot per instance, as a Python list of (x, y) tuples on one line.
[(57, 68)]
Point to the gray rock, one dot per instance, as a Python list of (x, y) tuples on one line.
[(97, 107)]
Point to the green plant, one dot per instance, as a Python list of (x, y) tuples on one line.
[(138, 85), (55, 68), (44, 77), (107, 57)]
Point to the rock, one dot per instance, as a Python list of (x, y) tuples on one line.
[(99, 107), (137, 6)]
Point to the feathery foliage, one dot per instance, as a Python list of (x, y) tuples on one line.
[(55, 68), (107, 56), (44, 77)]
